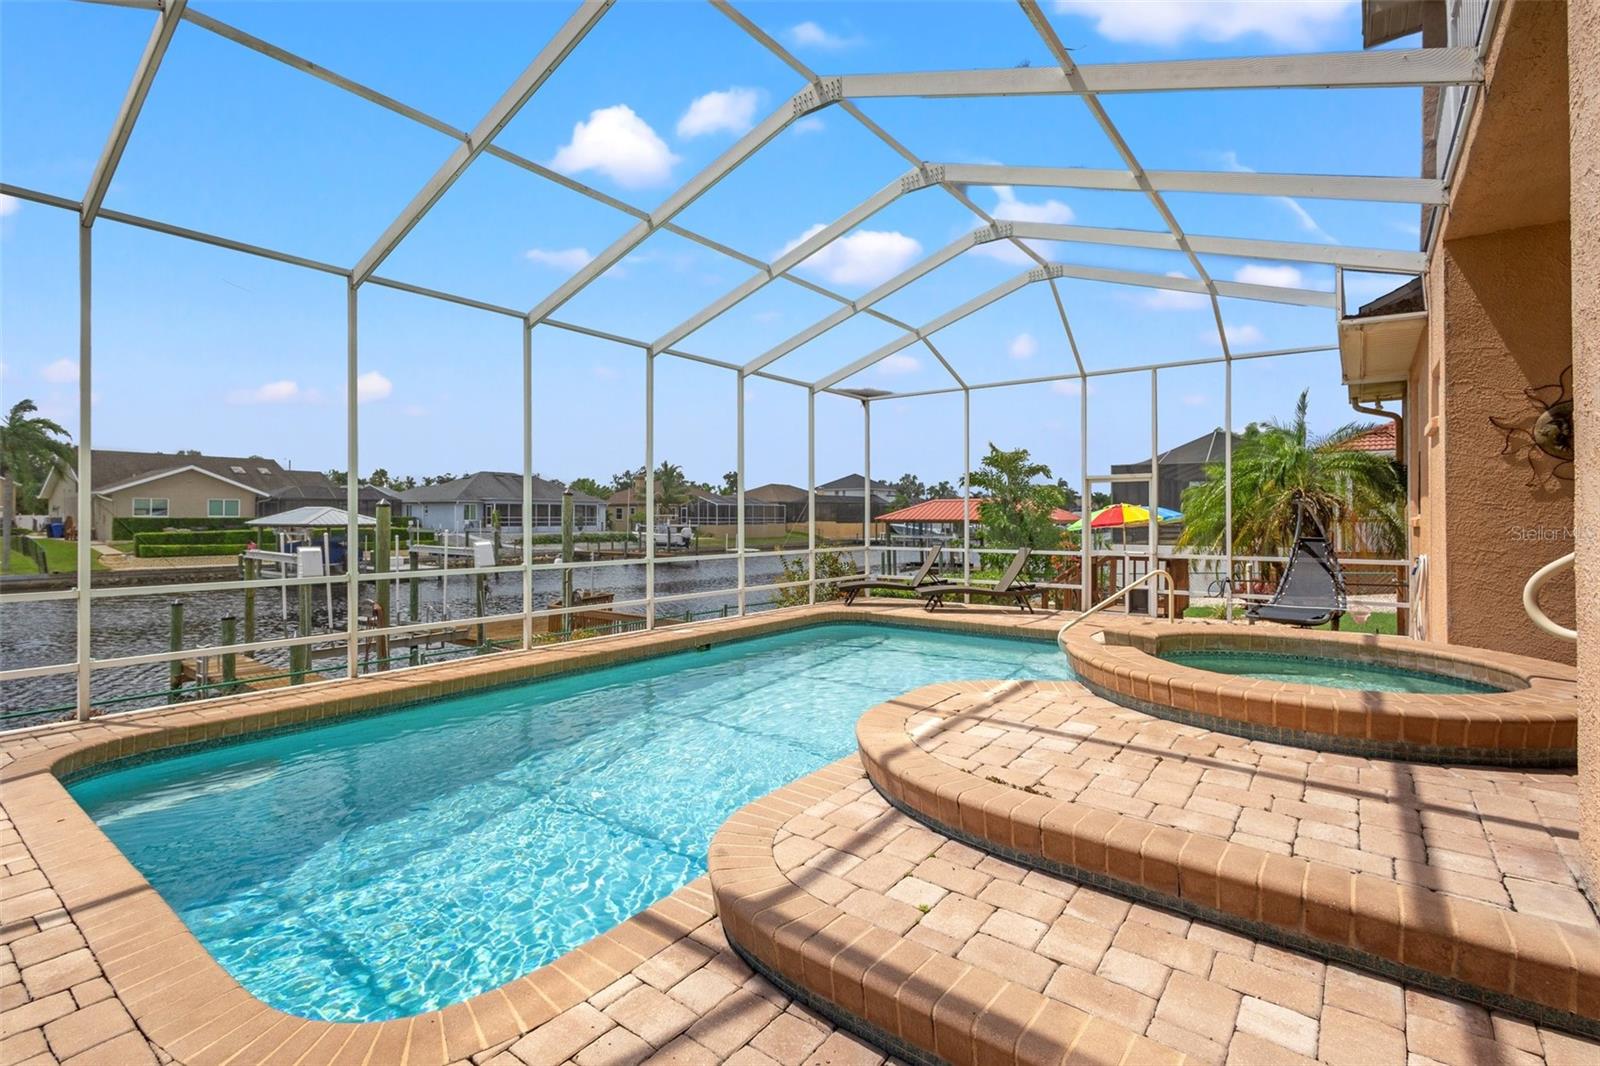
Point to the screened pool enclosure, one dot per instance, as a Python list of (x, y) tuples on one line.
[(1103, 404)]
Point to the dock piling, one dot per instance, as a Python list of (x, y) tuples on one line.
[(230, 634), (380, 564), (251, 568), (302, 656), (415, 652), (175, 643)]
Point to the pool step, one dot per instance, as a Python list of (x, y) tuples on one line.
[(908, 999), (1508, 960)]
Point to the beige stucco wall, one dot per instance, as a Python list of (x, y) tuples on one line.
[(1584, 35), (186, 493), (1499, 293), (1501, 324)]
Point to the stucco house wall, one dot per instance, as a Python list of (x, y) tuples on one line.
[(1583, 20), (1499, 293), (1489, 527), (187, 493)]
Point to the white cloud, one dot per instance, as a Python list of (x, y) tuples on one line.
[(865, 257), (1070, 387), (619, 144), (809, 124), (414, 410), (899, 363), (1173, 299), (1302, 24), (604, 373), (373, 386), (1230, 161), (1023, 346), (809, 34), (767, 316), (1245, 333), (9, 205), (284, 391), (60, 372), (1283, 276), (1196, 399), (1008, 206), (724, 111), (567, 259)]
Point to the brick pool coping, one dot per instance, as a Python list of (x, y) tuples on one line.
[(1508, 960), (921, 1005), (184, 1002), (1533, 723)]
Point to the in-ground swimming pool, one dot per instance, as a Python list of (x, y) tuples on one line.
[(1328, 672), (402, 862)]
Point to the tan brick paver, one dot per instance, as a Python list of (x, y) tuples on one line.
[(1213, 994), (1507, 837)]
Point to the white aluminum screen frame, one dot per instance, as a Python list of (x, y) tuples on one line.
[(1458, 68)]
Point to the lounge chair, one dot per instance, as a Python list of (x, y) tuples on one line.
[(1311, 591), (861, 584), (1006, 588)]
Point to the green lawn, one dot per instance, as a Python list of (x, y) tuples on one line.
[(795, 538), (1377, 622), (21, 563), (61, 557)]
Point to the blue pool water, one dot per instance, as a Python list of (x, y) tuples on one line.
[(1332, 673), (403, 862)]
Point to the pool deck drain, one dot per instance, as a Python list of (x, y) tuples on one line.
[(95, 968)]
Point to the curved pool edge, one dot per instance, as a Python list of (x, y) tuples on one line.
[(1532, 723), (184, 1001)]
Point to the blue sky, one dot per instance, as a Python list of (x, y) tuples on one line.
[(203, 348)]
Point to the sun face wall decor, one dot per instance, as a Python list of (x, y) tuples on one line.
[(1543, 436)]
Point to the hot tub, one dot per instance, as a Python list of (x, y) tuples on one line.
[(1363, 694)]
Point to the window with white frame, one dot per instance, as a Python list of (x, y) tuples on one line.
[(149, 507), (222, 508)]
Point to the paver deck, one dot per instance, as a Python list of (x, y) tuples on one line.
[(1215, 995), (1508, 837)]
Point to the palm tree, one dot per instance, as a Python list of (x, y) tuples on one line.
[(1276, 469), (29, 447), (672, 488)]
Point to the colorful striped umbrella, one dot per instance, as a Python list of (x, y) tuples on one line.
[(1125, 514)]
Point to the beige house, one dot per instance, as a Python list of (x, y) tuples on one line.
[(174, 486)]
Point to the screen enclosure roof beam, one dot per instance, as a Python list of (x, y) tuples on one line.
[(571, 33)]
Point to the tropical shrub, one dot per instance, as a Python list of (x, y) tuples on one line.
[(1280, 467)]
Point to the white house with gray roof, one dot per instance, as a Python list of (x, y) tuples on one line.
[(469, 504)]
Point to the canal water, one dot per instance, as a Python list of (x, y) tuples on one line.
[(44, 633)]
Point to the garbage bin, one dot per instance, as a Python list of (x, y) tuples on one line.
[(58, 530)]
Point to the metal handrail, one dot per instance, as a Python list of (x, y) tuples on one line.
[(1530, 597), (1123, 591)]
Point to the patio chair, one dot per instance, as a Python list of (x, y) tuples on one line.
[(858, 585), (1006, 588), (1311, 591)]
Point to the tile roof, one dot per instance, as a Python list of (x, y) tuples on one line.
[(949, 510), (1379, 438)]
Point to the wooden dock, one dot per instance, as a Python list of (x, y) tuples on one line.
[(249, 673)]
